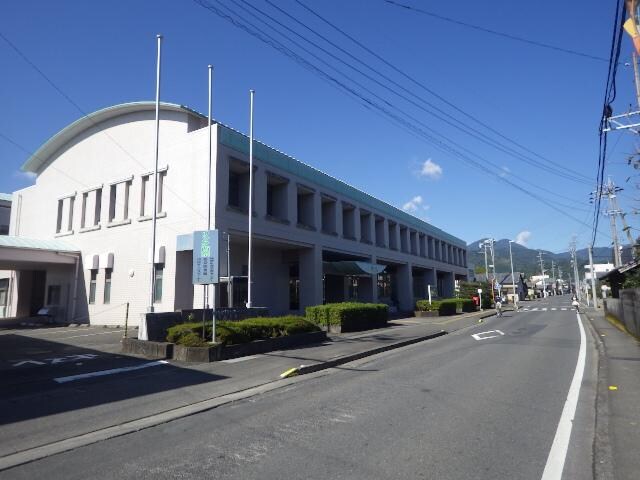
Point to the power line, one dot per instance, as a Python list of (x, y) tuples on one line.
[(87, 116), (509, 36), (258, 33), (449, 120), (432, 92), (609, 97)]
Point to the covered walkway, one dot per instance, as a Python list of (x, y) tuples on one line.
[(39, 273)]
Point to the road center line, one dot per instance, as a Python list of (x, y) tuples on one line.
[(102, 373), (558, 453)]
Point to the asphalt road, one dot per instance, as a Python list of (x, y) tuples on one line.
[(456, 407)]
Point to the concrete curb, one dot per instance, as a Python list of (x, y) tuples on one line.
[(602, 450), (367, 353), (311, 371)]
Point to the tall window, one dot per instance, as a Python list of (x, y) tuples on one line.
[(91, 208), (157, 290), (92, 286), (119, 201), (64, 223), (146, 193), (107, 286)]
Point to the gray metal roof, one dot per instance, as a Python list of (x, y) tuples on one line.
[(10, 241), (42, 155)]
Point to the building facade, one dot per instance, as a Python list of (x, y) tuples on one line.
[(316, 239)]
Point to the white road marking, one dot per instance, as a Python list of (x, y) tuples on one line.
[(478, 336), (90, 334), (564, 309), (558, 454), (56, 360), (102, 373), (534, 309), (544, 309), (554, 308), (240, 359)]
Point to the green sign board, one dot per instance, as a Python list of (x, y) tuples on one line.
[(205, 257)]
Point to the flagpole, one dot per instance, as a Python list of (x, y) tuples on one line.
[(213, 299), (250, 279), (155, 178)]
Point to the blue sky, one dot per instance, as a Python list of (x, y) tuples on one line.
[(103, 53)]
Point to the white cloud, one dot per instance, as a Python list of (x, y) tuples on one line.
[(29, 176), (413, 205), (416, 206), (430, 169), (523, 237)]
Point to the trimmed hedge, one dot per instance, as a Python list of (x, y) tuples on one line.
[(350, 316), (447, 306), (242, 331)]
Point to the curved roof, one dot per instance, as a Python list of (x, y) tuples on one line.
[(41, 156)]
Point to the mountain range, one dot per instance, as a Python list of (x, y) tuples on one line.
[(526, 259)]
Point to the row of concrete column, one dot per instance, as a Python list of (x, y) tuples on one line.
[(310, 265), (347, 220)]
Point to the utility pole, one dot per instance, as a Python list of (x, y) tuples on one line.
[(636, 76), (576, 276), (513, 280), (544, 286), (593, 279), (625, 227), (609, 190)]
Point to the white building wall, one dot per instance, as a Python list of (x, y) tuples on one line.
[(118, 149)]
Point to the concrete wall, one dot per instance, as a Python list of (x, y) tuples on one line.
[(626, 309)]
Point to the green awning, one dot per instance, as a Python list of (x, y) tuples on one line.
[(348, 267)]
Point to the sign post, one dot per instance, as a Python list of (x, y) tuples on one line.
[(429, 290), (480, 297), (206, 264)]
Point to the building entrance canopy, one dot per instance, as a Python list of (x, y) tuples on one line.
[(353, 268), (19, 253)]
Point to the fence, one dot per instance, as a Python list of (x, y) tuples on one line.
[(626, 310)]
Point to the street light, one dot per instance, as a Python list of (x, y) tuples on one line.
[(513, 280)]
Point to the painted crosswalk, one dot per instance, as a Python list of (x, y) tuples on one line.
[(544, 309)]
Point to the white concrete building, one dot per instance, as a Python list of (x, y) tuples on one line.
[(80, 237)]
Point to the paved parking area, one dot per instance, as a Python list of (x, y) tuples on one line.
[(30, 356)]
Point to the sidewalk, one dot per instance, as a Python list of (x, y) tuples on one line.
[(165, 392), (618, 401)]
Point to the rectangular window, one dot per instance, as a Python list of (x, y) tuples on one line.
[(238, 194), (92, 286), (64, 222), (305, 206), (384, 285), (91, 208), (277, 196), (147, 186), (157, 284), (348, 221), (107, 286), (119, 201), (328, 215), (59, 221)]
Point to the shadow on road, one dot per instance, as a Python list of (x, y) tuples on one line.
[(31, 370)]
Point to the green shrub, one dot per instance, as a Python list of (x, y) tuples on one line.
[(192, 339), (349, 315), (448, 306), (243, 331), (424, 306)]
